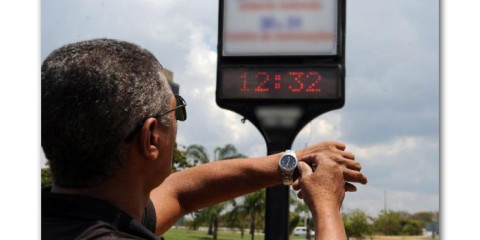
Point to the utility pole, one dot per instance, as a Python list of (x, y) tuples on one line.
[(385, 200), (385, 209)]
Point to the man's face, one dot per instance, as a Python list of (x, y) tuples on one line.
[(168, 135)]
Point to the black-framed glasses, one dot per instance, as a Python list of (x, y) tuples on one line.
[(180, 115), (180, 110)]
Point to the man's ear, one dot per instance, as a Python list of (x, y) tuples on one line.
[(149, 139)]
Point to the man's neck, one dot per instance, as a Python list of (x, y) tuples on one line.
[(126, 195)]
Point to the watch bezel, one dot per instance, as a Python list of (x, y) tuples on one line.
[(284, 168)]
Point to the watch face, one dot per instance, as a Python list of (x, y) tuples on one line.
[(288, 162)]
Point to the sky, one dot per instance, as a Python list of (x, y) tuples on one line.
[(390, 120)]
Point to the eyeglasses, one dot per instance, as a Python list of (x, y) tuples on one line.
[(180, 115), (180, 110)]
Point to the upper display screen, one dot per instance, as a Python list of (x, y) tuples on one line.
[(280, 82), (280, 27)]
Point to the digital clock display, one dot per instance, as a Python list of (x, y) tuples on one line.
[(280, 82)]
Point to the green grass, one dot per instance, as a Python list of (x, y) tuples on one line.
[(183, 234), (380, 237)]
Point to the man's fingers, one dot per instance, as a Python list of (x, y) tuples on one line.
[(309, 159), (339, 145), (350, 187), (354, 176), (353, 165), (349, 163), (296, 185), (304, 169), (348, 155), (299, 194)]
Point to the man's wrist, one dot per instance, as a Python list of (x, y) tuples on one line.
[(329, 225), (323, 208), (277, 173)]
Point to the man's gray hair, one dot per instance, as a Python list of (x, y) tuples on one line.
[(94, 93)]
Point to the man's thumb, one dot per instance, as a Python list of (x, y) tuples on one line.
[(304, 169)]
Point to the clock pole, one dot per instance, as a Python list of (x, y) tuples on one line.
[(282, 82), (277, 204)]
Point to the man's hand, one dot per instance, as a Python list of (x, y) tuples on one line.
[(334, 152), (323, 190), (322, 187)]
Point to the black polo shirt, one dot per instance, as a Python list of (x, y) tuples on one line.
[(67, 216)]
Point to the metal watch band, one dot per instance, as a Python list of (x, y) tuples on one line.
[(287, 179)]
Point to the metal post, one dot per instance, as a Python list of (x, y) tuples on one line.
[(277, 205)]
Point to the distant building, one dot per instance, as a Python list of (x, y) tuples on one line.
[(169, 75), (431, 230)]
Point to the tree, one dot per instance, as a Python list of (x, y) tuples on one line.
[(426, 217), (229, 151), (197, 154), (251, 210), (295, 220), (388, 222), (400, 223), (235, 218), (300, 209), (412, 227), (429, 220), (254, 205), (198, 218), (347, 225), (212, 214), (46, 177), (180, 159), (356, 224)]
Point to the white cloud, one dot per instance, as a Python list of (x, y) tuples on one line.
[(324, 127), (409, 163), (390, 149)]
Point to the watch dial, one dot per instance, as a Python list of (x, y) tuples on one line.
[(288, 162)]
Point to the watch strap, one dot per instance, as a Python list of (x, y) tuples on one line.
[(287, 179)]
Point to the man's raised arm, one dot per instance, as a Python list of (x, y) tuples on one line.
[(205, 185)]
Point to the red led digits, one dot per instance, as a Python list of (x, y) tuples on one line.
[(244, 82), (298, 76), (277, 78), (303, 83), (312, 88), (260, 87)]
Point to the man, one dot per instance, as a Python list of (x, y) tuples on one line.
[(108, 130)]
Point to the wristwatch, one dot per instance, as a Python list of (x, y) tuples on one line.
[(288, 163)]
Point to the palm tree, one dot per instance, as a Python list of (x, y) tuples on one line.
[(300, 209), (236, 217), (179, 159), (229, 151), (294, 217), (254, 205), (303, 208), (251, 210), (212, 214), (197, 154)]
